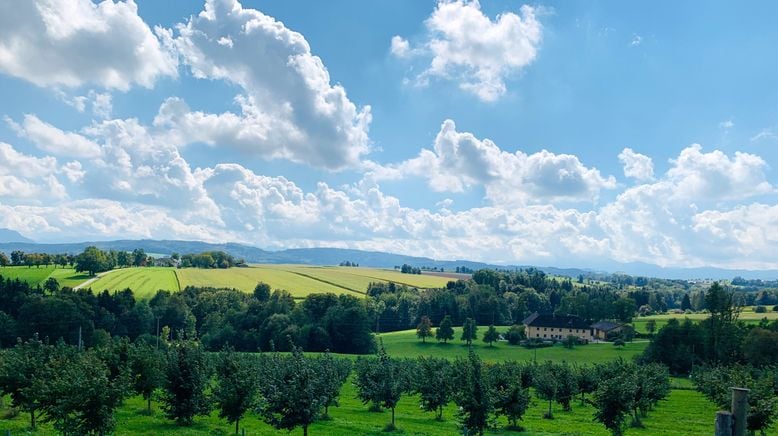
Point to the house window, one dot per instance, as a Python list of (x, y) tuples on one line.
[(544, 329)]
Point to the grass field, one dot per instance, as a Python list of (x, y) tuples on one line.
[(685, 412), (37, 276), (144, 282), (405, 344), (747, 315)]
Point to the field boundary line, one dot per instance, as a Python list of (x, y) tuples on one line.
[(178, 281), (327, 282)]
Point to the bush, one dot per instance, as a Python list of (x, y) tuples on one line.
[(760, 309), (775, 308), (515, 334), (618, 342)]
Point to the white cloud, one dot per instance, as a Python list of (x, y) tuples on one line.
[(289, 109), (636, 166), (727, 124), (459, 160), (400, 46), (475, 51), (53, 140), (636, 40), (28, 178), (715, 176), (764, 134), (75, 42)]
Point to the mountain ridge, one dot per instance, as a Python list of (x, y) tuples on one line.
[(333, 256)]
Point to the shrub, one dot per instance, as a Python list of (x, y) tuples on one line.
[(760, 309), (619, 342)]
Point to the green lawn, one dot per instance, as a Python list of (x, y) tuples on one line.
[(144, 282), (405, 344), (37, 276), (747, 315)]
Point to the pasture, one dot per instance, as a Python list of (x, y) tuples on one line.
[(406, 344), (747, 315), (144, 282), (37, 276)]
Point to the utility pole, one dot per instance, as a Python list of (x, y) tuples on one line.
[(79, 339), (157, 333)]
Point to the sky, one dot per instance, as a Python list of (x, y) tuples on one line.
[(571, 133)]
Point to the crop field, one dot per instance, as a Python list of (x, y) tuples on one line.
[(144, 282), (37, 276), (747, 315), (406, 344)]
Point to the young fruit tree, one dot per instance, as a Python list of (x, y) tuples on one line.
[(235, 391)]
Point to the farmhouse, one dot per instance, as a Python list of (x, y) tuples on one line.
[(549, 326), (601, 330)]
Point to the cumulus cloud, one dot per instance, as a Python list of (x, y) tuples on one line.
[(54, 140), (636, 166), (716, 176), (468, 47), (26, 177), (460, 160), (75, 42), (289, 107)]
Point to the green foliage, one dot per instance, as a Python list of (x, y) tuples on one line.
[(235, 391), (491, 335), (93, 260), (546, 385), (382, 381), (515, 334), (333, 373), (82, 394), (424, 329), (510, 396), (445, 332), (760, 347), (469, 331), (293, 391), (567, 384), (186, 378), (147, 365), (23, 376), (716, 383), (472, 396), (613, 403), (433, 381)]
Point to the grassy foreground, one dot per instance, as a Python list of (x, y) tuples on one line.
[(685, 412)]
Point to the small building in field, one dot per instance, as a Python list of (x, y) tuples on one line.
[(548, 326), (601, 330)]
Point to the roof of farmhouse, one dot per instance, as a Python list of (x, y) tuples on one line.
[(552, 320)]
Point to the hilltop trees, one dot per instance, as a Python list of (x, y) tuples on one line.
[(93, 260)]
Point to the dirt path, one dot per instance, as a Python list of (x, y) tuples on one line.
[(93, 279)]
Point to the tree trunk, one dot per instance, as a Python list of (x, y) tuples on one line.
[(237, 425), (305, 430), (440, 412), (392, 417), (148, 404), (549, 408), (326, 410), (32, 419)]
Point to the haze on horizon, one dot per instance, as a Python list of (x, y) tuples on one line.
[(548, 133)]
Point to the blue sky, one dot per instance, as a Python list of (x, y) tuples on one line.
[(558, 133)]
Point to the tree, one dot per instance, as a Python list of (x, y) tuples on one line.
[(760, 347), (147, 365), (17, 257), (624, 309), (333, 373), (686, 303), (511, 398), (262, 292), (186, 377), (613, 402), (424, 329), (139, 257), (92, 260), (586, 378), (651, 326), (473, 397), (382, 382), (82, 392), (445, 332), (292, 391), (469, 330), (236, 386), (4, 261), (491, 336), (515, 334), (23, 376), (432, 381), (567, 385), (546, 386)]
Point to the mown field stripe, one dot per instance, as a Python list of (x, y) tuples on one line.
[(389, 280), (326, 281)]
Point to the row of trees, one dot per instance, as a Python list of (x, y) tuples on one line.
[(208, 259), (408, 269), (219, 317), (619, 391), (720, 339), (78, 391), (20, 258)]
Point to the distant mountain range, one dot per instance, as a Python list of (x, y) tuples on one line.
[(10, 240)]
